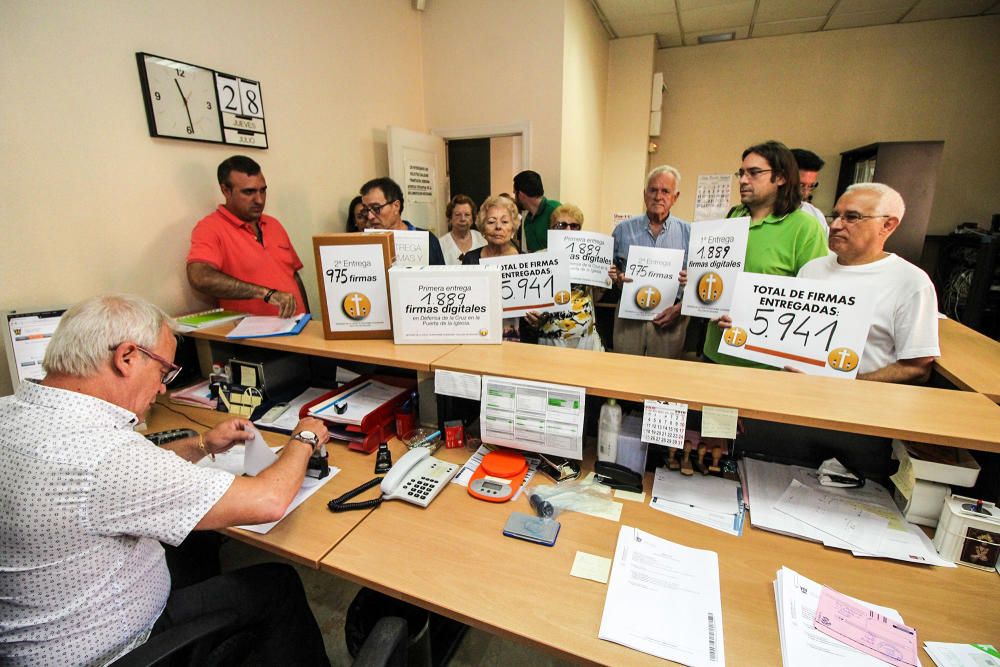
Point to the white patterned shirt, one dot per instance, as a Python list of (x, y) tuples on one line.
[(84, 502)]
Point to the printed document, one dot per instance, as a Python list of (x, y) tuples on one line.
[(664, 599), (533, 416), (356, 403)]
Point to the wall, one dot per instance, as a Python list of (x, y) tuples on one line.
[(585, 83), (505, 162), (90, 203), (489, 63), (839, 90), (626, 135)]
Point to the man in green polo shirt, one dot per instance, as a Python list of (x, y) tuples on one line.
[(530, 196), (783, 237)]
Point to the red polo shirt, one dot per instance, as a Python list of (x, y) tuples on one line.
[(228, 244)]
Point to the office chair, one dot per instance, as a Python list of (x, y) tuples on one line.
[(385, 646)]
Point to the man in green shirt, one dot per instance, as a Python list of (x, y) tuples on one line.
[(782, 238), (530, 196)]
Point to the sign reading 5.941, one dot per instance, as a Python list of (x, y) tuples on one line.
[(536, 282), (815, 326)]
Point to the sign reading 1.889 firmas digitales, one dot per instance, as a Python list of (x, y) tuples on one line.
[(815, 326), (715, 259)]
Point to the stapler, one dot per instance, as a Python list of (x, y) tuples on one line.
[(617, 476)]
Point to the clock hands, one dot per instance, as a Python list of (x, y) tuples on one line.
[(184, 99)]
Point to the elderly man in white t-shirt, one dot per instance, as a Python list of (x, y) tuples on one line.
[(903, 339), (87, 500)]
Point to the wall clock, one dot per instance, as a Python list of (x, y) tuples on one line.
[(185, 101)]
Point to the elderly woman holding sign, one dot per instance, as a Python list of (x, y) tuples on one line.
[(573, 325), (498, 222)]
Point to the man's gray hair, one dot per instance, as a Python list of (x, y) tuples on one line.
[(90, 329), (665, 169), (890, 202)]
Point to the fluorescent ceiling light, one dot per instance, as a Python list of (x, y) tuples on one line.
[(718, 37)]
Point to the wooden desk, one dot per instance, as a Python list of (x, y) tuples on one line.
[(382, 352), (923, 414), (311, 530), (452, 558), (969, 359)]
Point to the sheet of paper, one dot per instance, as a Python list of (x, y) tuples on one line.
[(707, 492), (845, 620), (532, 416), (834, 515), (360, 401), (356, 287), (654, 282), (309, 487), (664, 423), (818, 327), (715, 257), (727, 523), (636, 497), (289, 419), (803, 644), (588, 255), (537, 281), (262, 326), (651, 580), (589, 566), (257, 455), (718, 422), (412, 246), (962, 655), (460, 385), (230, 460)]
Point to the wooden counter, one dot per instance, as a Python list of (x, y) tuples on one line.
[(310, 341), (922, 414), (969, 359)]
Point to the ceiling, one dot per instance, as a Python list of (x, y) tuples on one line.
[(683, 22)]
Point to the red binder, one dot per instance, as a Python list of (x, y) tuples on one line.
[(378, 425)]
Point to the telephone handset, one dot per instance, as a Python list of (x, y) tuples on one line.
[(417, 477)]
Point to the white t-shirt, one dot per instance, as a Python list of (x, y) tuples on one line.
[(904, 323), (86, 502), (819, 215), (450, 249)]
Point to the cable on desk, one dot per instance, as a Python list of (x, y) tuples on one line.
[(185, 415), (340, 504)]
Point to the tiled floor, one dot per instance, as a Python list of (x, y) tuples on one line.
[(329, 597)]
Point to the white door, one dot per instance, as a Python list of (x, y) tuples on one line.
[(418, 163)]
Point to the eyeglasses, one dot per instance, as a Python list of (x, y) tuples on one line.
[(375, 209), (851, 217), (753, 172), (575, 226), (173, 370)]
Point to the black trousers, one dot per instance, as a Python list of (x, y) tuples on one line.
[(269, 600)]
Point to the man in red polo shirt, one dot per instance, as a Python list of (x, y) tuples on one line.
[(242, 257)]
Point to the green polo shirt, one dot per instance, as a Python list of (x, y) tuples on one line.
[(778, 246), (536, 227)]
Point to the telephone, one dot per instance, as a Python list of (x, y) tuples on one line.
[(417, 478)]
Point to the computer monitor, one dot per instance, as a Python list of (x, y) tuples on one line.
[(26, 334)]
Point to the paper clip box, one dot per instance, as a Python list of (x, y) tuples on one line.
[(352, 270), (446, 305)]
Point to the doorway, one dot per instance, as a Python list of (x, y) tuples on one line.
[(483, 166)]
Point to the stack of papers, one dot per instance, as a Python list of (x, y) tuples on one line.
[(206, 318), (254, 457), (287, 420), (198, 395), (865, 521), (663, 599), (711, 501), (261, 326), (356, 403), (798, 599)]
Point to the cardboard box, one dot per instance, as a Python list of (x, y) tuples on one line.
[(352, 271), (946, 465), (446, 305)]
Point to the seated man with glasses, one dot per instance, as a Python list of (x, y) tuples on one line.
[(664, 335), (242, 257), (383, 202), (903, 339), (782, 236), (810, 165), (88, 500)]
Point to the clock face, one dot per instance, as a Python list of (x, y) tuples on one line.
[(180, 99)]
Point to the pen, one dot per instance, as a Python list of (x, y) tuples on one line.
[(425, 440)]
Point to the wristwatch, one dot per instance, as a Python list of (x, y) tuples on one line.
[(307, 437)]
